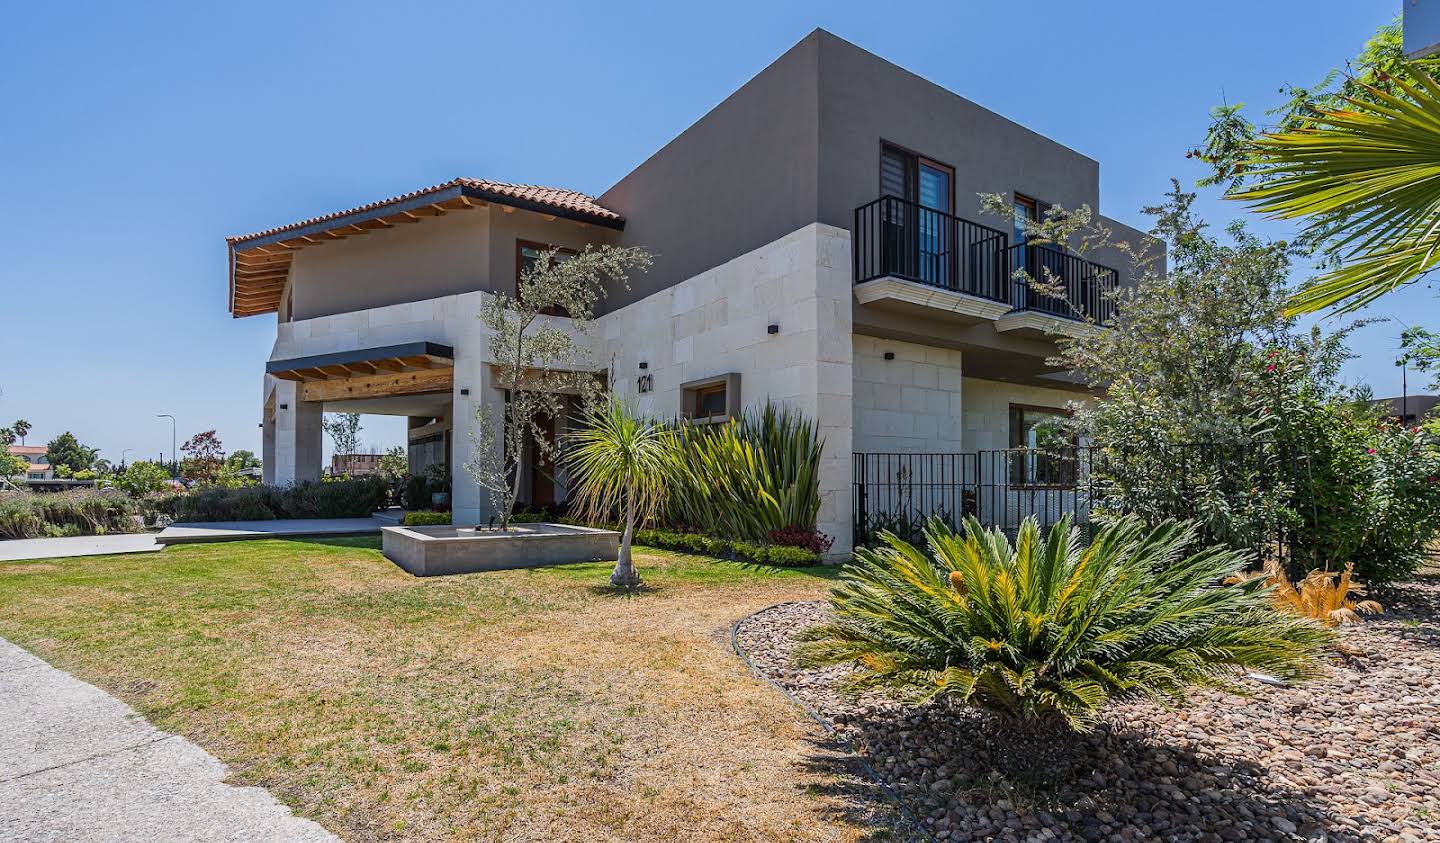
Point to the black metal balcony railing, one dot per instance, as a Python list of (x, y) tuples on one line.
[(894, 237), (897, 238), (1088, 288)]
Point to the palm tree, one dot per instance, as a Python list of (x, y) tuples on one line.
[(1366, 176), (621, 462), (1045, 632), (21, 428)]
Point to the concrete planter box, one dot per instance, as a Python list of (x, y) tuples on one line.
[(436, 551)]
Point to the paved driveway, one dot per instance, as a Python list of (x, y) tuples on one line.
[(76, 764)]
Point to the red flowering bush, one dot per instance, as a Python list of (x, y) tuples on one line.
[(807, 537)]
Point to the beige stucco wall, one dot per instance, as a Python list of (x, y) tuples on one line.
[(461, 252), (909, 404)]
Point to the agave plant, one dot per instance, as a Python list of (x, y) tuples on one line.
[(1368, 175), (749, 477), (1325, 596), (1046, 631)]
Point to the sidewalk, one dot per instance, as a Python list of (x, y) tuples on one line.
[(16, 550), (76, 764)]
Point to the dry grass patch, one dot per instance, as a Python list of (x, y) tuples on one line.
[(508, 706)]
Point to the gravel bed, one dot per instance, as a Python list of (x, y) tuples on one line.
[(1355, 756)]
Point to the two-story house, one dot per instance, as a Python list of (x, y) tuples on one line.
[(818, 239)]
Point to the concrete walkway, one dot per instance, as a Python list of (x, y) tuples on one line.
[(15, 550), (230, 531), (76, 764)]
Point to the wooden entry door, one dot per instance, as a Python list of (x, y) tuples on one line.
[(542, 466)]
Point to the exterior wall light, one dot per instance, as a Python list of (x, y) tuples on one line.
[(889, 355), (644, 365), (772, 329), (465, 391), (284, 406)]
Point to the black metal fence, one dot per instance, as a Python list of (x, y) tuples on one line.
[(900, 492), (1087, 289), (894, 237)]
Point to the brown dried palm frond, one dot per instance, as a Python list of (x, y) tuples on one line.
[(1326, 596)]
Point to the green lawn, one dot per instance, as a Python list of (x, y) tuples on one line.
[(532, 704)]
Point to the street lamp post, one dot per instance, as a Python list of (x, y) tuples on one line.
[(174, 463), (123, 452)]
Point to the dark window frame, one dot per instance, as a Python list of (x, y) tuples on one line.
[(914, 159), (1056, 472), (537, 246)]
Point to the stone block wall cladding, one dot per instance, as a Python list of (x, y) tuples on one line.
[(717, 323), (910, 404)]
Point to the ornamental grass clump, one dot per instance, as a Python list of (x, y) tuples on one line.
[(1046, 632)]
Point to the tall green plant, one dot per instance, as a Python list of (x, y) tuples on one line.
[(620, 462), (749, 477), (1049, 632)]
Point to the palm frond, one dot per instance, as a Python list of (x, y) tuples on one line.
[(1048, 629), (1369, 176)]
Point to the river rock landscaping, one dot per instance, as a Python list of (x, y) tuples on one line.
[(1352, 757)]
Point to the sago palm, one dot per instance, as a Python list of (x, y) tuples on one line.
[(621, 462), (1047, 632), (1368, 177)]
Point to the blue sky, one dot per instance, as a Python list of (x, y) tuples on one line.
[(135, 137)]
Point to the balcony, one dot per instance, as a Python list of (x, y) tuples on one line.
[(906, 255)]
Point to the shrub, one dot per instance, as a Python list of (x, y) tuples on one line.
[(808, 538), (425, 519), (1046, 633), (142, 478), (26, 515), (793, 557), (356, 498), (748, 477)]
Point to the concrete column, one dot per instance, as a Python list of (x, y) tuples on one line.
[(267, 445), (470, 504), (298, 436)]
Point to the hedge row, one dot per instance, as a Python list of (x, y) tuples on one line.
[(742, 551), (356, 497), (28, 515)]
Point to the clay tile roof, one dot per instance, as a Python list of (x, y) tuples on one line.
[(29, 449), (530, 196)]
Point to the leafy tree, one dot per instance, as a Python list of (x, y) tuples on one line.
[(624, 464), (241, 460), (204, 458), (394, 464), (21, 427), (344, 431), (67, 452), (540, 361), (142, 478), (1046, 632), (10, 465), (1352, 158)]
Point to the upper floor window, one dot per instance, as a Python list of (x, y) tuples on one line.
[(527, 254), (915, 178)]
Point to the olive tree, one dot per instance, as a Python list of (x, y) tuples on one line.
[(540, 352)]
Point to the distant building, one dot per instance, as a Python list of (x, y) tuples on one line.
[(355, 465), (1408, 410), (38, 463)]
